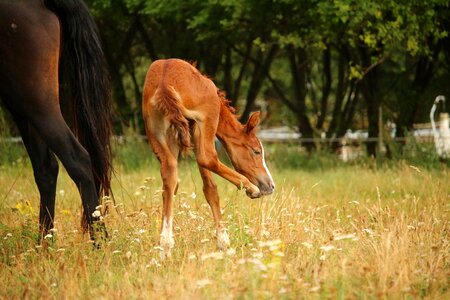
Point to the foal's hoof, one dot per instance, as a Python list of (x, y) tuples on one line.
[(223, 241), (253, 192), (166, 245)]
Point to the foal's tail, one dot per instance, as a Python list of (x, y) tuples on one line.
[(169, 104), (85, 86)]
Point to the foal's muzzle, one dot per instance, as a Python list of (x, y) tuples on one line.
[(265, 185)]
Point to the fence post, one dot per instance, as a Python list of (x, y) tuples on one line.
[(380, 130)]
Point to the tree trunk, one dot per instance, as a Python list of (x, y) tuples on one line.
[(298, 70), (340, 94), (257, 81), (325, 88), (237, 83), (369, 87)]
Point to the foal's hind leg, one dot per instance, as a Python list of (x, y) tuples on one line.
[(167, 151), (45, 167), (212, 196)]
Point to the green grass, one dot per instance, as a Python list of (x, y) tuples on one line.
[(330, 230)]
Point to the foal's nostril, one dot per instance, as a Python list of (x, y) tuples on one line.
[(272, 186)]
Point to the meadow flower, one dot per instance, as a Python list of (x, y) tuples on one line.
[(203, 282), (271, 244), (48, 236), (128, 254), (231, 252), (96, 213), (259, 265), (192, 256), (307, 245), (327, 248), (315, 288), (344, 236), (410, 227), (368, 231), (149, 179), (213, 255), (265, 233)]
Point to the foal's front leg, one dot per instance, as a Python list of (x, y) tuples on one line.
[(212, 196), (207, 158)]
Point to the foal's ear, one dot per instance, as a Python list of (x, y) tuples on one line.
[(252, 122)]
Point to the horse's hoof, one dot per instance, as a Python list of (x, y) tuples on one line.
[(253, 194), (166, 243), (98, 234), (223, 241)]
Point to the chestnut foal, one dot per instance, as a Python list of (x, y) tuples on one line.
[(178, 100)]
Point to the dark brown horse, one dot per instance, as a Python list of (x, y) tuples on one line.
[(50, 51)]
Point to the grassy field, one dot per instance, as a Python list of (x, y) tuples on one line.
[(339, 232)]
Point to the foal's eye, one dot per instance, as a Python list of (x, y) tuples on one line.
[(256, 152)]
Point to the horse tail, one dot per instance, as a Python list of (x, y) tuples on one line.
[(169, 103), (85, 86)]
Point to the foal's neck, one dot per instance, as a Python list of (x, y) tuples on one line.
[(229, 127)]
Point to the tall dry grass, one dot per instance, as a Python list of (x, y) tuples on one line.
[(345, 232)]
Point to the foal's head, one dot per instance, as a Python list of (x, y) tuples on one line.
[(247, 156)]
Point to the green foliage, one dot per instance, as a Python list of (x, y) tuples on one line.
[(383, 53), (133, 153), (10, 152)]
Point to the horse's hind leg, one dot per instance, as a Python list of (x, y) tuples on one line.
[(167, 151), (45, 168), (53, 130), (212, 196)]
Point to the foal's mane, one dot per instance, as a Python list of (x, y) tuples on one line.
[(225, 102)]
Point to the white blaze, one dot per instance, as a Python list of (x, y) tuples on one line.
[(265, 166)]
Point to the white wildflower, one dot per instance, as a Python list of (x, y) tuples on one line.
[(307, 245), (327, 248), (344, 236), (203, 282), (213, 255)]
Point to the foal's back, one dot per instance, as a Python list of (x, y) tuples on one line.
[(195, 91)]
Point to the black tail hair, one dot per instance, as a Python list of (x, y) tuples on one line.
[(85, 86)]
